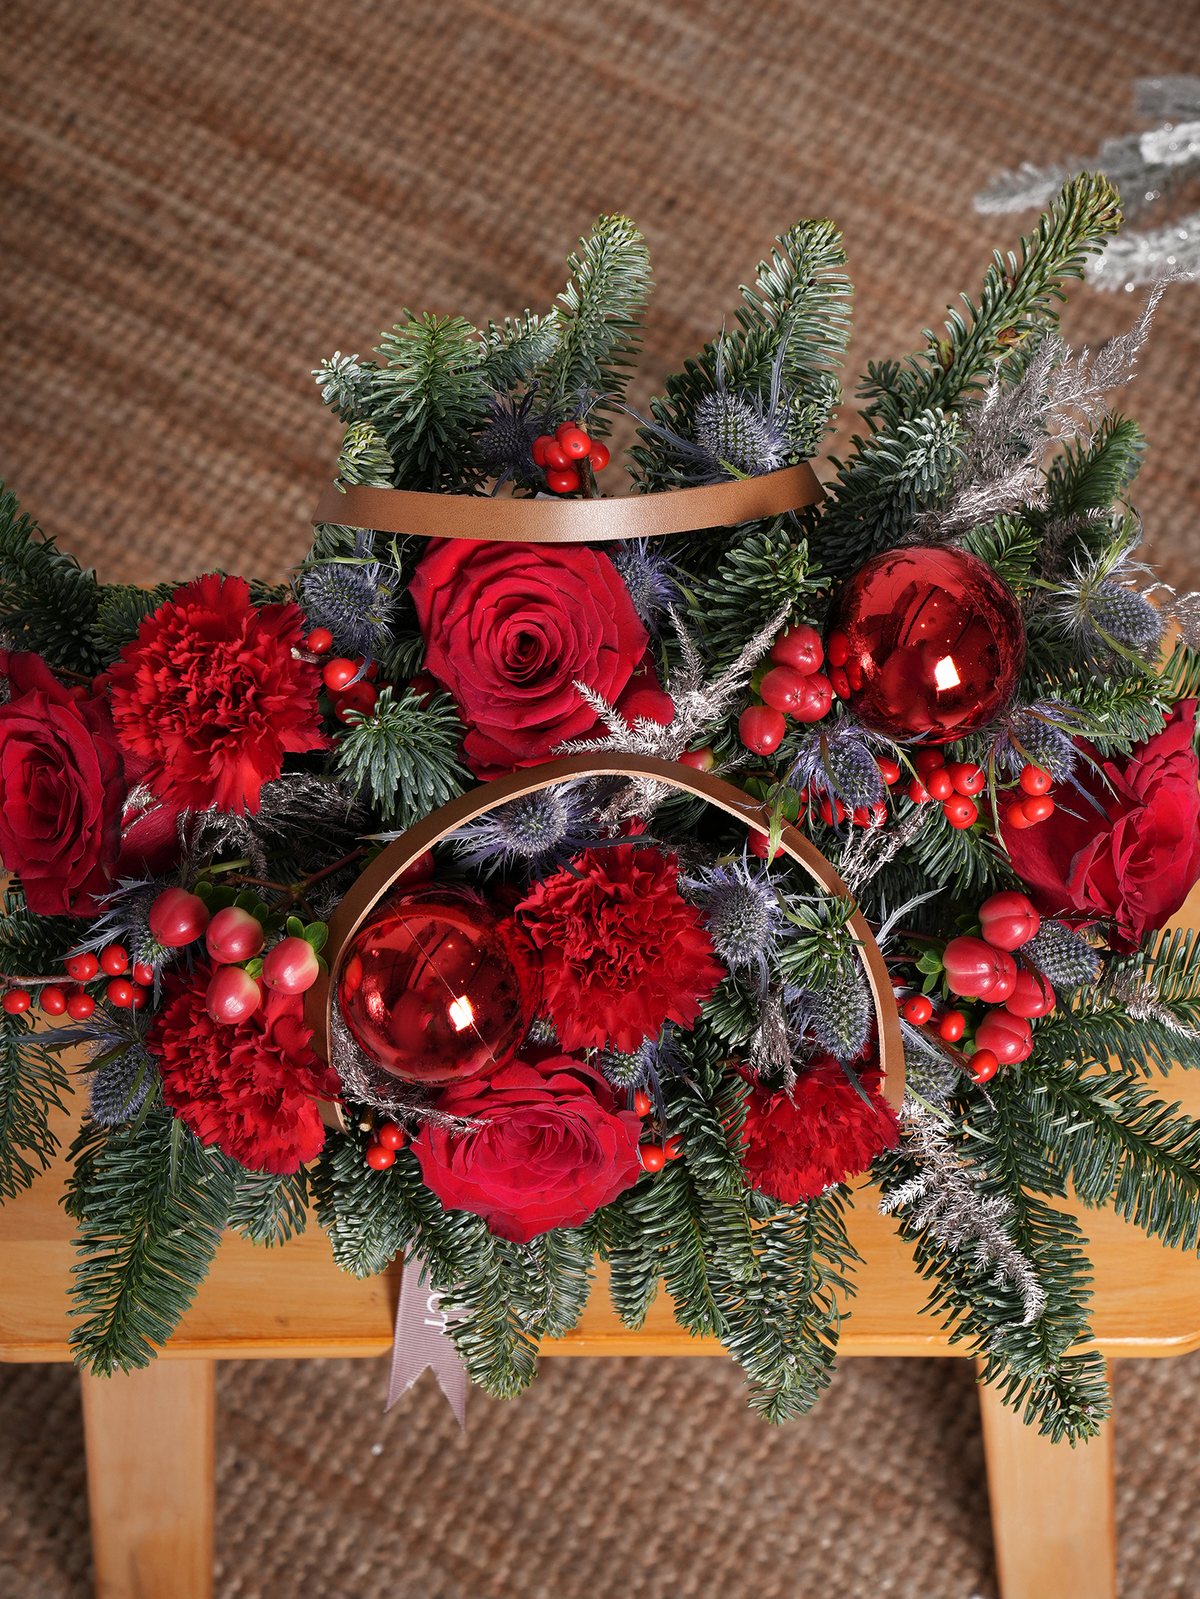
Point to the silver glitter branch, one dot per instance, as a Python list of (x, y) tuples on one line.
[(945, 1199), (367, 1084), (1145, 1004), (871, 848)]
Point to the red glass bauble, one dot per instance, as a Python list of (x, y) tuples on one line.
[(938, 640), (435, 987)]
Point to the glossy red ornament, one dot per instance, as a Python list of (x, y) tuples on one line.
[(1009, 1037), (83, 967), (839, 682), (232, 996), (799, 647), (1008, 920), (938, 638), (114, 960), (1005, 983), (761, 728), (141, 997), (16, 1001), (359, 699), (917, 792), (431, 988), (418, 871), (538, 448), (177, 917)]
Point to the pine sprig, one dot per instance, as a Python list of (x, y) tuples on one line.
[(430, 402), (120, 613), (404, 756), (32, 1084), (267, 1209), (151, 1202), (48, 603), (754, 579)]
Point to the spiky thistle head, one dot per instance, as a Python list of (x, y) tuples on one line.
[(354, 600), (1095, 610), (650, 578), (839, 762), (733, 431), (742, 913), (1042, 734), (1063, 956), (125, 1071), (838, 1013), (530, 831), (506, 445)]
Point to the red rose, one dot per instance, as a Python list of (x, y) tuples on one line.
[(62, 786), (795, 1149), (621, 950), (1133, 861), (555, 1148), (510, 628), (251, 1089), (210, 694)]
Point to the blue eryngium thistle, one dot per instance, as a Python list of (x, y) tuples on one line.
[(354, 600), (533, 831), (838, 1014), (506, 445), (839, 762), (1042, 734), (742, 912), (650, 578), (125, 1071), (1107, 622)]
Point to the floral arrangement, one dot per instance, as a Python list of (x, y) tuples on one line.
[(605, 1016)]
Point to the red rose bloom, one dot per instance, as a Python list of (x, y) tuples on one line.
[(795, 1149), (555, 1148), (251, 1089), (1133, 861), (211, 696), (510, 628), (621, 951), (62, 786)]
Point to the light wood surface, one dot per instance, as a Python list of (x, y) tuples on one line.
[(150, 1444), (1053, 1509)]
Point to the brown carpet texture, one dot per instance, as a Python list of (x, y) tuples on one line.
[(198, 202)]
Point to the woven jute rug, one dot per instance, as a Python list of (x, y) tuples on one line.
[(199, 201)]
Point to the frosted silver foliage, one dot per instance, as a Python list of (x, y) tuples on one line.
[(1134, 258), (700, 705), (946, 1199), (1063, 956), (365, 1082), (869, 849)]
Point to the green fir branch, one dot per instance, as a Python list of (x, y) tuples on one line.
[(267, 1209), (121, 611), (48, 603), (404, 756), (430, 402), (755, 579), (32, 1084)]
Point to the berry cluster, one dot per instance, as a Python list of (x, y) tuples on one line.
[(793, 687), (349, 691), (954, 786), (984, 968), (653, 1155), (561, 456), (1034, 803), (109, 967), (386, 1139)]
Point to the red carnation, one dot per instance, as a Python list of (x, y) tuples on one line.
[(510, 628), (794, 1149), (212, 696), (555, 1148), (251, 1089), (62, 787), (621, 951)]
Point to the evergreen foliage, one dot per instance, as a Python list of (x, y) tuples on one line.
[(48, 604), (429, 401), (32, 1084), (754, 579), (268, 1209), (404, 757), (120, 612)]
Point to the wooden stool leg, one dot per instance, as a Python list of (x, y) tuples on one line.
[(150, 1480), (1053, 1509)]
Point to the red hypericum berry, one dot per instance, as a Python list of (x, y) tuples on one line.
[(556, 458), (379, 1157), (141, 997), (926, 761), (1034, 780), (839, 682), (291, 967), (673, 1149), (758, 843), (424, 687), (917, 792), (785, 688), (1015, 816), (563, 482), (232, 996), (967, 778), (654, 1156), (918, 1009), (888, 770), (761, 728), (391, 1135), (960, 811), (1009, 1037), (1005, 983), (837, 648), (703, 759), (319, 641), (143, 973), (973, 967), (357, 700), (234, 935), (177, 917), (119, 992), (983, 1065), (574, 442), (799, 647), (1037, 808), (335, 674), (418, 871), (17, 1001), (819, 700), (1032, 995), (80, 1005), (538, 448), (598, 456), (1008, 919), (114, 960), (642, 1102), (952, 1026), (828, 811), (82, 967), (939, 783)]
